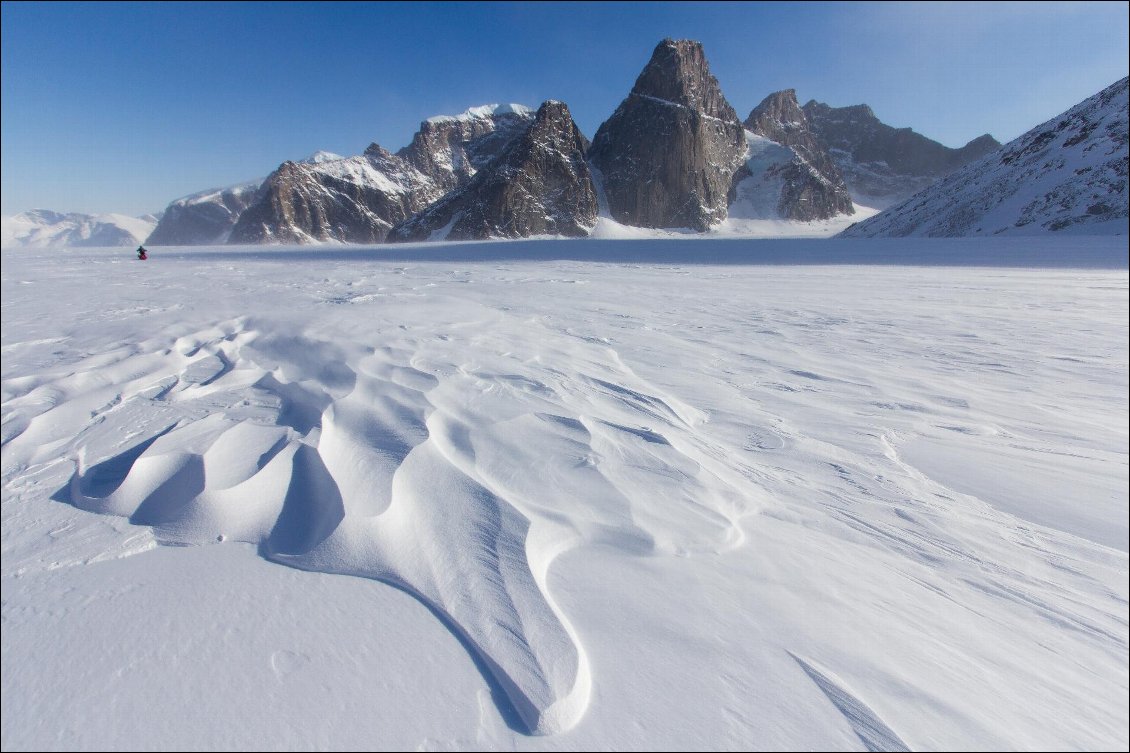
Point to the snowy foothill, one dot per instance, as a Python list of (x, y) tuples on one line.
[(652, 493)]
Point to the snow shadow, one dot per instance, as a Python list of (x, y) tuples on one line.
[(1048, 252)]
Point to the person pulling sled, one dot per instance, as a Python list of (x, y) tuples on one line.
[(142, 254)]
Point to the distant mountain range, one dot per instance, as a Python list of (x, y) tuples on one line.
[(674, 154), (1068, 174), (43, 228)]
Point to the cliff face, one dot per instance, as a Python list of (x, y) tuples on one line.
[(540, 185), (668, 155)]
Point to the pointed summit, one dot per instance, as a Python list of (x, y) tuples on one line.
[(779, 118), (678, 73), (669, 152)]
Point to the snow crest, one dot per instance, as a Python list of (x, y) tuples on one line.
[(485, 111)]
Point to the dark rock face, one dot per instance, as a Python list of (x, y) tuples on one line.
[(359, 199), (203, 218), (883, 165), (813, 187), (668, 154), (1070, 172), (540, 185)]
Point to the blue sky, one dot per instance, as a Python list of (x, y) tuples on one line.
[(122, 107)]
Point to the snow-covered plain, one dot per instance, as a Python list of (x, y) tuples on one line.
[(662, 494)]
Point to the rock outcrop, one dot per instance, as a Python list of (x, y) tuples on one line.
[(667, 156), (352, 200), (540, 185)]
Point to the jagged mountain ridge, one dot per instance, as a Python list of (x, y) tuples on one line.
[(673, 155), (450, 149), (353, 200), (883, 165), (359, 199), (1069, 172)]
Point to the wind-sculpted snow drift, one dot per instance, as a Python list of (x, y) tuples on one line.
[(456, 479), (664, 495)]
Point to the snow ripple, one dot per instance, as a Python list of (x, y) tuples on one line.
[(440, 470)]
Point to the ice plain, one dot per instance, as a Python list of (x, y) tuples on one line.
[(602, 494)]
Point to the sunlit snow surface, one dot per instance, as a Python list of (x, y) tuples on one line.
[(631, 494)]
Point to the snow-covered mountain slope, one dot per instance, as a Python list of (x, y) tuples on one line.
[(43, 228), (766, 186), (629, 495), (807, 184), (1068, 174)]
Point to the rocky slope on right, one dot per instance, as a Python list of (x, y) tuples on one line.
[(883, 165), (1067, 173)]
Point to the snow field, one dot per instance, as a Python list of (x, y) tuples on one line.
[(681, 501)]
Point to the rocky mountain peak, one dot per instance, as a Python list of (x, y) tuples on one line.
[(806, 180), (554, 120), (779, 118), (668, 154), (982, 145), (678, 73), (376, 150), (539, 185)]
